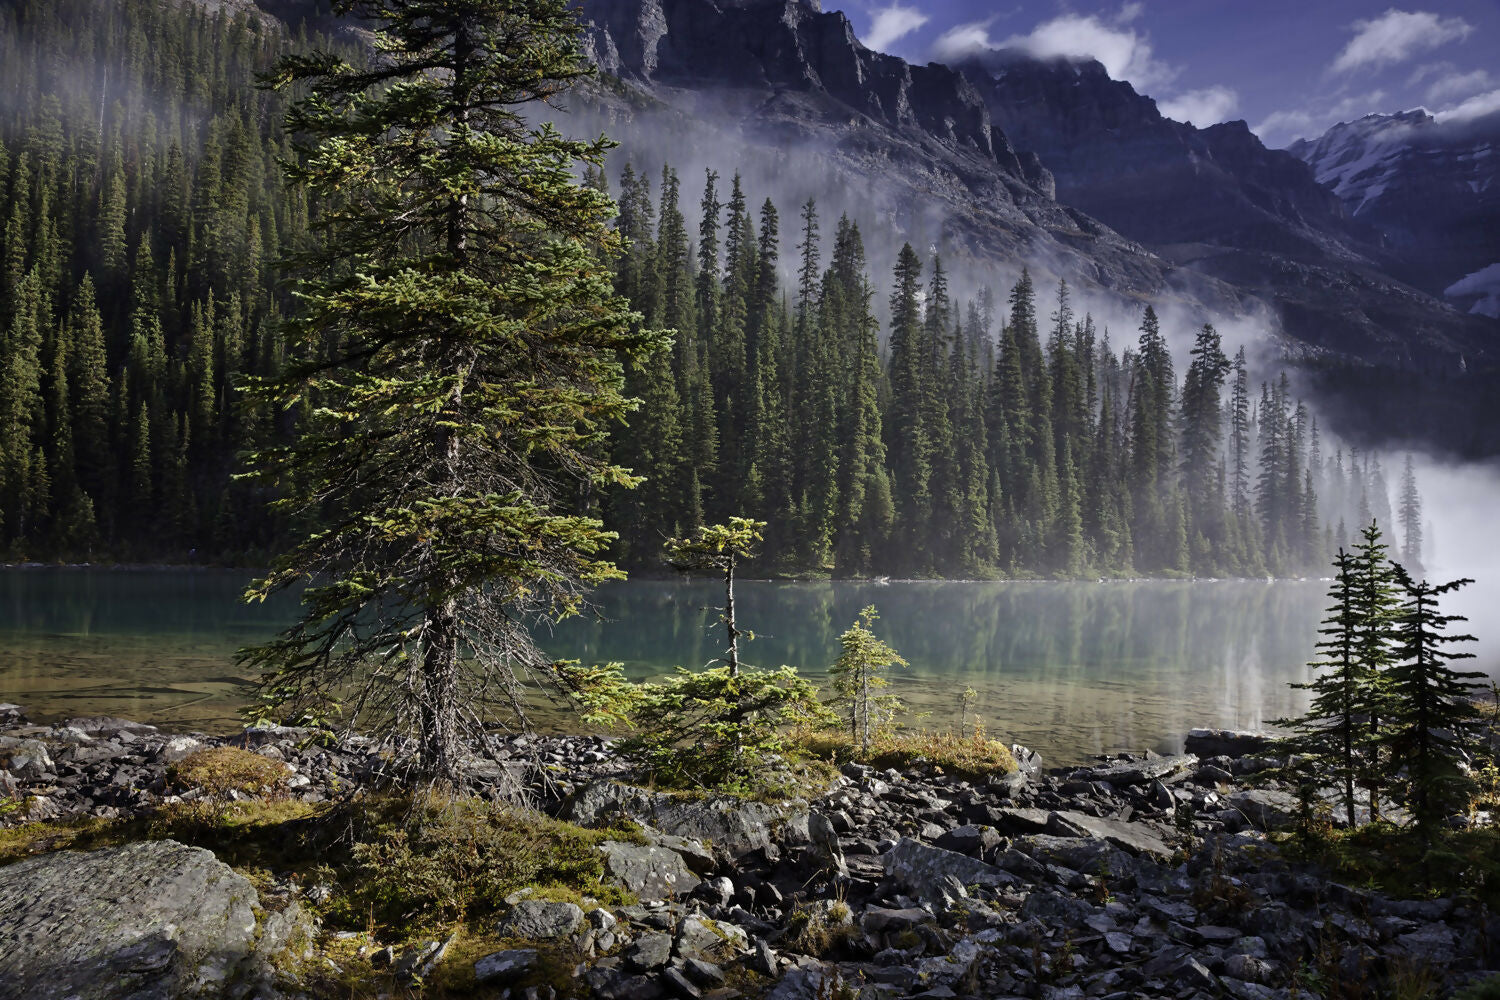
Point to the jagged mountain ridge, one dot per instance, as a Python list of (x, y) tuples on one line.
[(1112, 193), (930, 154), (911, 146), (1431, 188)]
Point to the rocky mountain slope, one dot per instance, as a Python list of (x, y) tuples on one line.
[(786, 94), (1018, 160), (1431, 188)]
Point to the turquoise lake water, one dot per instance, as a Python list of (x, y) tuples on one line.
[(1070, 669)]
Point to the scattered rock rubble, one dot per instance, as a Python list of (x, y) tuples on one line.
[(1140, 876)]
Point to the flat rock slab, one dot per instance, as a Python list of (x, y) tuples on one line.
[(649, 872), (920, 868), (733, 826), (1133, 837), (148, 921), (1266, 808), (540, 920), (1140, 772), (1227, 742)]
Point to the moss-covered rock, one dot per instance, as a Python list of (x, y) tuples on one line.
[(154, 919)]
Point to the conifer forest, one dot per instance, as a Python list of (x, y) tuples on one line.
[(880, 423)]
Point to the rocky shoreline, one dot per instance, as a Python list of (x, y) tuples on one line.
[(1138, 876)]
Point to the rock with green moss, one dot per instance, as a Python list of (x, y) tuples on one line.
[(540, 920), (649, 872), (732, 827), (152, 920), (505, 967)]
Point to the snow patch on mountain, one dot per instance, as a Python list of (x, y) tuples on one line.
[(1359, 160), (1484, 286)]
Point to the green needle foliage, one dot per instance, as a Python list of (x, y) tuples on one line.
[(1433, 722), (858, 677), (712, 728), (720, 548), (1375, 601), (452, 373), (1334, 734)]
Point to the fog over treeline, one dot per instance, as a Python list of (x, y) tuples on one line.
[(884, 417)]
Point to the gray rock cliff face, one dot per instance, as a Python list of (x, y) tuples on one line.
[(1217, 201), (150, 921)]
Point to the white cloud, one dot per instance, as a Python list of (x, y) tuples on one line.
[(1125, 52), (1455, 84), (1397, 35), (1311, 120), (1475, 107), (888, 24), (963, 40), (1203, 108)]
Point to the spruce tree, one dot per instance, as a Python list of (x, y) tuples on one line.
[(859, 675), (1431, 722), (1334, 731), (1375, 599), (454, 370), (1410, 517)]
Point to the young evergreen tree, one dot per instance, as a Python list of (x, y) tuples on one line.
[(1410, 517), (859, 675), (454, 370), (1334, 732), (1376, 602), (1430, 722)]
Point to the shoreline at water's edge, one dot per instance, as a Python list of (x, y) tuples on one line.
[(656, 577), (1134, 875)]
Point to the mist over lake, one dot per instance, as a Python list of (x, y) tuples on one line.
[(1070, 669)]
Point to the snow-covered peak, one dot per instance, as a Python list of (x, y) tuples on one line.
[(1359, 159)]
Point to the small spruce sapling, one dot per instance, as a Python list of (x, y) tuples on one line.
[(719, 726), (859, 675)]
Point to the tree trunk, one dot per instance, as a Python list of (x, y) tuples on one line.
[(438, 698), (734, 633)]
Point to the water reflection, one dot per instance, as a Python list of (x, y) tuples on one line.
[(1071, 669)]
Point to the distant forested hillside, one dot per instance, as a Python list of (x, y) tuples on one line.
[(142, 211)]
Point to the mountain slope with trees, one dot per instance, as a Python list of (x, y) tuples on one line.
[(882, 423)]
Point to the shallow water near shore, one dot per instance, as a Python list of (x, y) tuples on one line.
[(1070, 669)]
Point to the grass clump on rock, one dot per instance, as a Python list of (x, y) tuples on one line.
[(223, 773)]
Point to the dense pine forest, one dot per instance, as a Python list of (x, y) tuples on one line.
[(879, 423)]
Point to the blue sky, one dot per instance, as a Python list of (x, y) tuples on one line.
[(1291, 68)]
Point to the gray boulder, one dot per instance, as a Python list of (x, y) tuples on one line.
[(538, 920), (649, 872), (149, 921), (920, 869), (733, 826), (1265, 808), (504, 967), (1137, 838), (1227, 742), (1140, 772), (108, 725), (710, 940)]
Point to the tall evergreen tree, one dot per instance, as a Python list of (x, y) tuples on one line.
[(474, 370), (1431, 723)]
